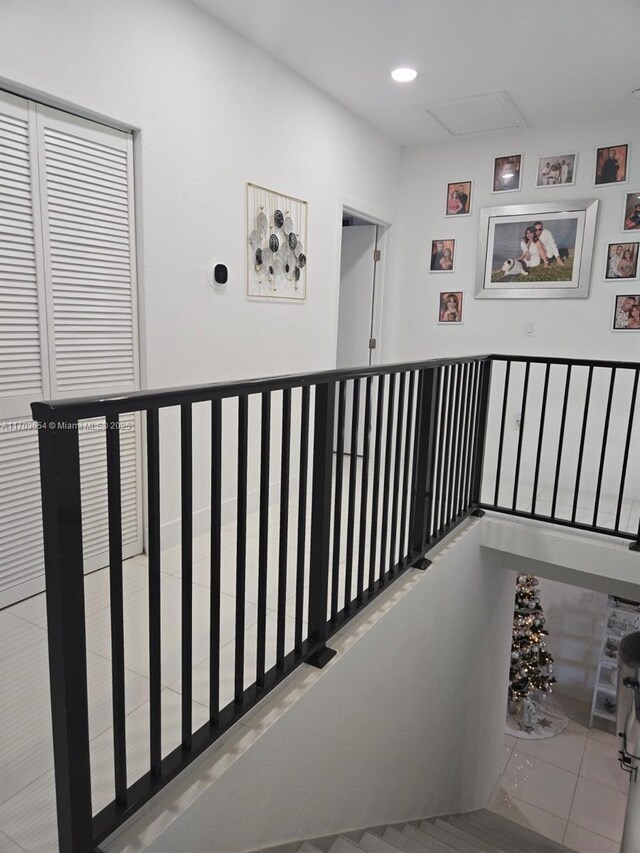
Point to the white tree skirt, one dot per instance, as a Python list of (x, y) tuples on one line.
[(547, 720)]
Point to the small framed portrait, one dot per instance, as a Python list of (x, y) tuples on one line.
[(443, 255), (556, 170), (631, 221), (506, 173), (612, 163), (459, 199), (622, 261), (450, 311), (626, 313)]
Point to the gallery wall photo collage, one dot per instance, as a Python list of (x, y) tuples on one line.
[(544, 250)]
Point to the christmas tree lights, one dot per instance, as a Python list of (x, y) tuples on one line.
[(531, 664)]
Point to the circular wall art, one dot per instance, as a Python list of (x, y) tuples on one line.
[(277, 239)]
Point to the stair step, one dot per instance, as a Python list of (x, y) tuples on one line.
[(448, 838), (429, 842), (469, 837), (530, 836), (406, 843), (343, 845), (308, 848), (376, 844), (496, 835)]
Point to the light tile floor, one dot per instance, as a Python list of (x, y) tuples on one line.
[(569, 788)]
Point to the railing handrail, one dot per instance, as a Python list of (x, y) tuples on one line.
[(153, 398)]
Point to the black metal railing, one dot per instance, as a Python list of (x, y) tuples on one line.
[(362, 471), (568, 443)]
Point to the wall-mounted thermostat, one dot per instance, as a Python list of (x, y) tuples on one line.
[(217, 274)]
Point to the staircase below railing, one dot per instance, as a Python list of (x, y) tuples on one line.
[(374, 467)]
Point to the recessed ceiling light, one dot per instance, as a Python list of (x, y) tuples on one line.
[(404, 75)]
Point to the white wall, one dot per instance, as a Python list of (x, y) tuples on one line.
[(573, 327), (402, 724), (575, 621), (212, 112)]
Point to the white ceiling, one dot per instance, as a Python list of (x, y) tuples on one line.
[(561, 61)]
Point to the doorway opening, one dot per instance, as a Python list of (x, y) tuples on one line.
[(359, 312)]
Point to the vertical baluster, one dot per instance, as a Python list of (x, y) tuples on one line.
[(425, 436), (462, 447), (523, 412), (503, 419), (384, 566), (353, 475), (397, 463), (375, 496), (62, 528), (241, 550), (543, 410), (302, 514), (263, 536), (364, 488), (480, 427), (320, 522), (114, 492), (603, 453), (155, 635), (406, 484), (337, 512), (186, 467), (583, 434), (443, 423), (469, 434), (284, 526), (475, 408), (451, 476), (216, 525), (563, 420), (627, 444)]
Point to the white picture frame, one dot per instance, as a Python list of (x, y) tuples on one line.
[(450, 244), (556, 159), (618, 305), (498, 163), (596, 166)]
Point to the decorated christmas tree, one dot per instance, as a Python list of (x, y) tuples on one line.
[(531, 664)]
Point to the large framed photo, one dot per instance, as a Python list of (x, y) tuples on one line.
[(612, 164), (506, 173), (622, 261), (536, 251), (631, 220), (626, 313), (556, 170), (443, 255)]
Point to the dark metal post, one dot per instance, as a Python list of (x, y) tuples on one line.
[(321, 523), (481, 434), (425, 434), (62, 527)]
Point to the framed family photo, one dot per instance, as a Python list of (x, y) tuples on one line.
[(631, 220), (612, 163), (459, 199), (556, 170), (536, 251), (622, 261), (507, 173), (450, 310), (626, 313), (443, 255)]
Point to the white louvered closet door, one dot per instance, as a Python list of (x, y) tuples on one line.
[(24, 374), (69, 326), (86, 190)]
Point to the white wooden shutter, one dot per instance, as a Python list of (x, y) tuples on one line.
[(87, 208)]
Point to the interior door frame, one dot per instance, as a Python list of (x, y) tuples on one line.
[(379, 323)]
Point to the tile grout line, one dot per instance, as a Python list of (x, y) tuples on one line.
[(575, 788)]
